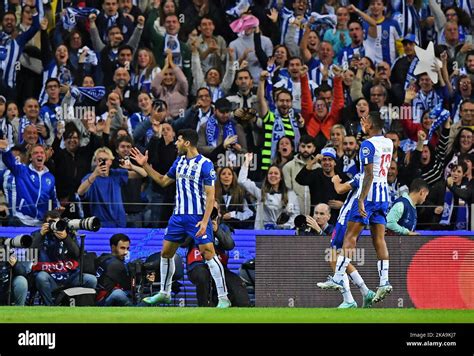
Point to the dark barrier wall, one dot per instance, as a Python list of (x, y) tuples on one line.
[(425, 271), (148, 241)]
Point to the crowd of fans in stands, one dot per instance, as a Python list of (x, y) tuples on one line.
[(274, 88)]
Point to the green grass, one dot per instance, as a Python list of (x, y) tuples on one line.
[(233, 315)]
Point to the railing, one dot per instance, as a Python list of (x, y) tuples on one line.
[(144, 218)]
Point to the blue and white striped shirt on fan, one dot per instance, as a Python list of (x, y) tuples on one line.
[(384, 47), (191, 176), (377, 150), (287, 16), (11, 49)]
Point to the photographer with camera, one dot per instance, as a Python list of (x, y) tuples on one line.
[(199, 273), (58, 260), (18, 286), (316, 224), (114, 284)]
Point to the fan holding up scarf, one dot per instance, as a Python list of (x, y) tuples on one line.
[(221, 133)]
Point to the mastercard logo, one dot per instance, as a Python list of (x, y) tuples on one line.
[(441, 274)]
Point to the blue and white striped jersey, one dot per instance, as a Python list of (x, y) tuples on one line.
[(191, 176), (286, 17), (315, 72), (134, 120), (377, 150), (383, 48), (11, 49), (351, 196), (347, 53)]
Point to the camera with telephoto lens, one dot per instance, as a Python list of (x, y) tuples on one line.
[(89, 224), (59, 225), (20, 241)]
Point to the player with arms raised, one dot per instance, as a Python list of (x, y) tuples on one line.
[(195, 177), (370, 207)]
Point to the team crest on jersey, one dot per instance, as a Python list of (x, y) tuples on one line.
[(195, 167), (365, 151), (48, 181), (385, 34)]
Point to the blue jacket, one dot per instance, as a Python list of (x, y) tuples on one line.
[(33, 189)]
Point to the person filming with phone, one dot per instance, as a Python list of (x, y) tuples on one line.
[(102, 188)]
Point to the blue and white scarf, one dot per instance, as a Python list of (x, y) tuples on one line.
[(279, 130), (462, 213), (4, 39), (455, 107), (69, 19), (93, 93), (411, 73), (424, 102), (212, 131), (409, 19), (439, 115), (240, 8), (202, 118), (216, 93)]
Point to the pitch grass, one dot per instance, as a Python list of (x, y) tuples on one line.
[(233, 315)]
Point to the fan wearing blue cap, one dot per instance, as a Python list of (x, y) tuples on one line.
[(320, 183), (404, 67), (329, 152)]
